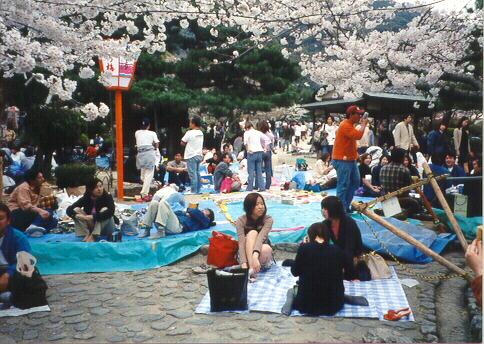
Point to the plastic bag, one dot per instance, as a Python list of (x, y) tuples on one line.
[(129, 225)]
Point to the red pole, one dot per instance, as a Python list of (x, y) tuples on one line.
[(119, 143)]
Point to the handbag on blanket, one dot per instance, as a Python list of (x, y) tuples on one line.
[(377, 265), (222, 250), (26, 285), (228, 289)]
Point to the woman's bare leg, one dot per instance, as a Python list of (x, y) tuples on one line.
[(250, 239), (265, 255)]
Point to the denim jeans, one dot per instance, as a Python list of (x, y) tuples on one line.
[(327, 149), (254, 167), (267, 161), (348, 181), (193, 165)]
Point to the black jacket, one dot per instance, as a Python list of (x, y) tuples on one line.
[(350, 242), (320, 270), (87, 203)]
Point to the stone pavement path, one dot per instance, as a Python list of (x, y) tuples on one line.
[(158, 306)]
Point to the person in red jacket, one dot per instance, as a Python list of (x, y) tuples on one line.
[(345, 154)]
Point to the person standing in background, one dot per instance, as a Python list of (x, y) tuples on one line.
[(147, 144), (193, 143), (462, 143), (404, 135), (253, 144), (437, 142), (268, 144), (345, 155), (328, 135)]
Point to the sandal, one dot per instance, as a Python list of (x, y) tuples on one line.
[(393, 315)]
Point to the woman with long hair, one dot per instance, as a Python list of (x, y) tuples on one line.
[(253, 230), (369, 190), (344, 233), (407, 162), (93, 213), (462, 143)]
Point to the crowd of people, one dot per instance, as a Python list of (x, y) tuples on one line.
[(350, 156)]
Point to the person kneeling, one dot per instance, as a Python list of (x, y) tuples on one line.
[(93, 213), (175, 221), (319, 266)]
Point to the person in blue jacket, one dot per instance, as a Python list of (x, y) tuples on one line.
[(454, 169), (167, 220), (437, 170), (437, 141), (11, 241)]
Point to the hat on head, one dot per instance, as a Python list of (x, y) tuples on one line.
[(145, 122), (354, 109)]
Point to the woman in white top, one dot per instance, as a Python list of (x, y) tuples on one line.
[(253, 144), (328, 135), (147, 145), (323, 171)]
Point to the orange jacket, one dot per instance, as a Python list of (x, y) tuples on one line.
[(345, 142)]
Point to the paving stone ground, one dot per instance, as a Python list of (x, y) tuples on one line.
[(158, 306)]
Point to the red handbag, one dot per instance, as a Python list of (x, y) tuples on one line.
[(222, 251)]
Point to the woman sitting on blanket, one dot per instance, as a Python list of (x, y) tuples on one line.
[(319, 266), (167, 211), (346, 235), (93, 213), (253, 230)]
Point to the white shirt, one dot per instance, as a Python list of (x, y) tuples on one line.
[(194, 141), (331, 130), (297, 130), (253, 141), (145, 137), (17, 156)]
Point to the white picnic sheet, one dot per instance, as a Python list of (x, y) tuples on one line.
[(268, 294)]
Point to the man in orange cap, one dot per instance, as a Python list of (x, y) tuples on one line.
[(345, 154)]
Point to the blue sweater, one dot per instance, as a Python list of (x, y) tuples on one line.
[(13, 241), (437, 142), (195, 222)]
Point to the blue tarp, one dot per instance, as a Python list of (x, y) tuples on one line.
[(63, 253)]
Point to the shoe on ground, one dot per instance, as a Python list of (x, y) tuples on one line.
[(147, 198), (202, 269), (158, 235), (401, 216), (144, 232)]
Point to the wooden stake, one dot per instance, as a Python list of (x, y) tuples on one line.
[(403, 190), (408, 238), (445, 206)]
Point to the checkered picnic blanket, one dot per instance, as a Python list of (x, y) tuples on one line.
[(268, 294)]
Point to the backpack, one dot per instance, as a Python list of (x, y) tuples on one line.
[(26, 285), (301, 165)]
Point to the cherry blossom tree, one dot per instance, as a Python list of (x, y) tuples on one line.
[(44, 39)]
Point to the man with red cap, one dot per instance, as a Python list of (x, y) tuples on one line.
[(345, 154)]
